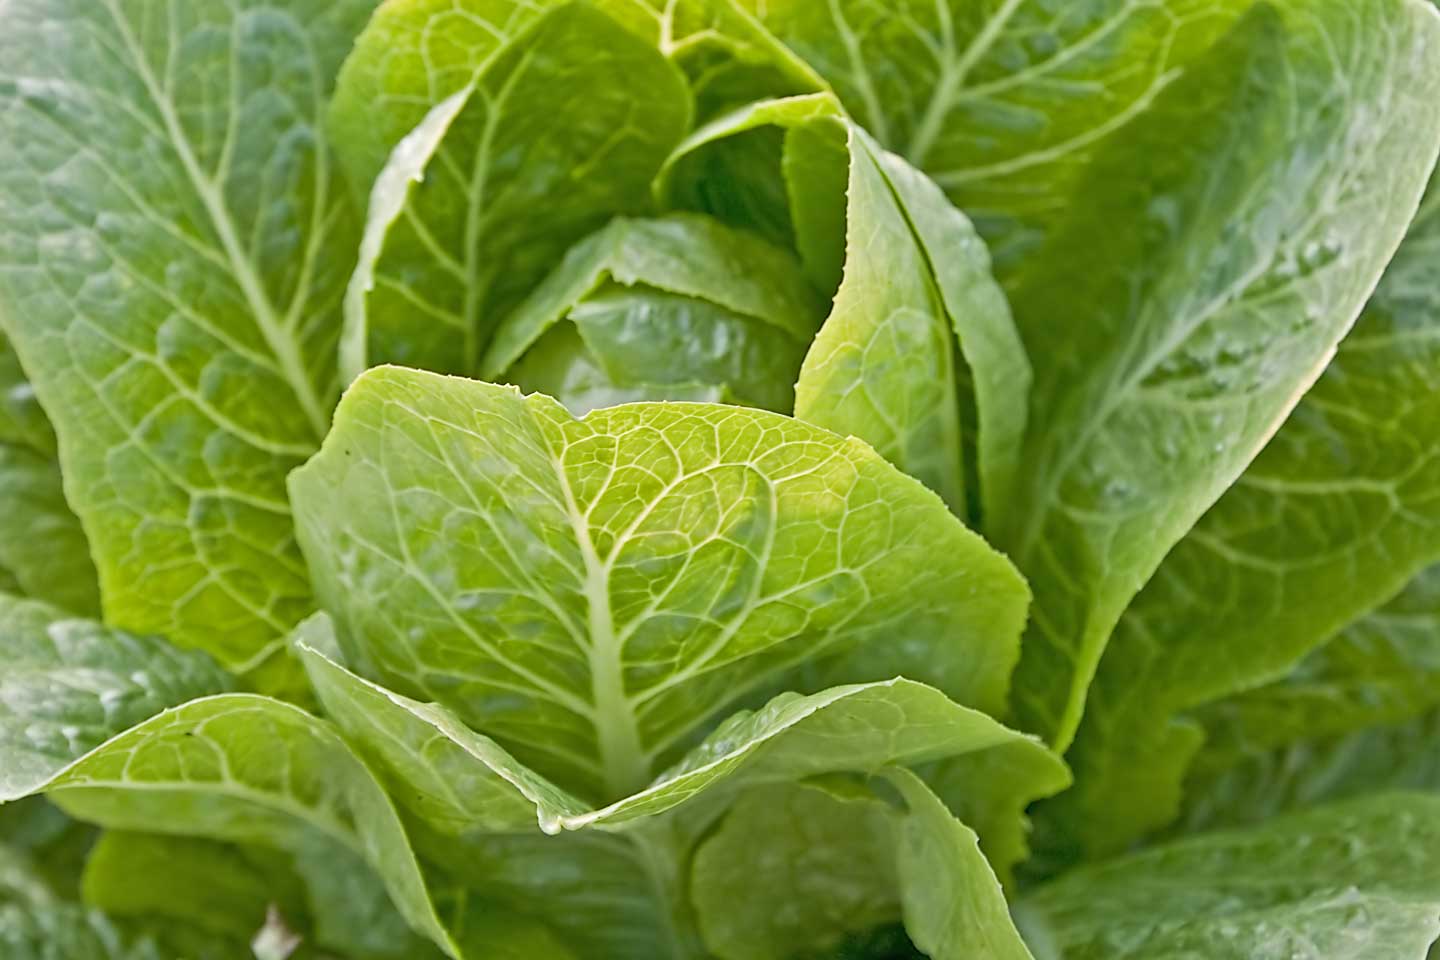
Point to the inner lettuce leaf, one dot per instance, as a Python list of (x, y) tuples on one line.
[(463, 220), (678, 307), (919, 355)]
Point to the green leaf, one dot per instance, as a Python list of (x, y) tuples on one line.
[(171, 271), (247, 769), (43, 550), (681, 300), (885, 366), (67, 932), (66, 685), (1349, 718), (1002, 103), (660, 562), (793, 869), (41, 543), (458, 780), (1329, 522), (1189, 301), (209, 886), (54, 845), (464, 218), (1358, 880)]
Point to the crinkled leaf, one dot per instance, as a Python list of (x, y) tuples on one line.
[(590, 592), (171, 272), (1333, 518), (1354, 881), (1001, 102), (66, 685), (563, 127), (1217, 250)]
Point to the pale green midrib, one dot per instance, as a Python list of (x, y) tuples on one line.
[(281, 341), (953, 77), (622, 757)]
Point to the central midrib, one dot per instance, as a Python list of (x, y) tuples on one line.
[(623, 761)]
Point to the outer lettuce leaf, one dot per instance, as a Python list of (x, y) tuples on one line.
[(248, 769), (590, 592), (1356, 715), (1186, 305), (1331, 520), (681, 300), (1001, 102), (467, 215), (1356, 880), (66, 685), (170, 271), (843, 863)]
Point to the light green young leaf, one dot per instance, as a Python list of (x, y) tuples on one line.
[(459, 781), (842, 863), (916, 277), (590, 592), (562, 128), (1188, 303), (885, 366), (681, 301), (1001, 102), (170, 271), (1330, 521), (247, 769), (66, 685), (1355, 881)]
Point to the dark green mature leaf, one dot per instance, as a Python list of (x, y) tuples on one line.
[(681, 300), (1354, 881), (1332, 519), (66, 685), (171, 270), (1354, 715), (562, 127), (590, 592), (1001, 102), (1218, 249)]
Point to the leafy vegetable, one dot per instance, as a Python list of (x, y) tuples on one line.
[(599, 479)]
